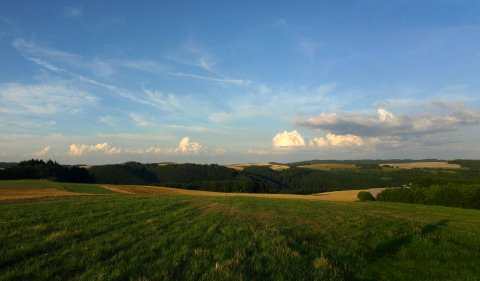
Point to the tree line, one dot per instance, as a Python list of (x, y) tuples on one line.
[(427, 186), (49, 170)]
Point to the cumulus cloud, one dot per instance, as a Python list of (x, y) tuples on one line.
[(42, 152), (319, 142), (185, 146), (384, 115), (287, 139), (344, 140), (106, 148), (385, 123), (333, 140), (188, 147)]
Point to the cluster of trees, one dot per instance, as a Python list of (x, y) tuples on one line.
[(451, 195), (50, 170)]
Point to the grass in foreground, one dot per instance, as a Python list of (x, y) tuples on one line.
[(233, 238)]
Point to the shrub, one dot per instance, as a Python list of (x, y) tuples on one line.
[(365, 196)]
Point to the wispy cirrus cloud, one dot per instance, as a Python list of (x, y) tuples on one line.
[(236, 82), (192, 54), (73, 12), (139, 120), (40, 54), (43, 98), (308, 47)]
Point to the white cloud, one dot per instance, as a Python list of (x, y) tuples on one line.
[(344, 140), (139, 120), (187, 147), (390, 125), (101, 68), (165, 101), (106, 148), (109, 120), (220, 117), (193, 55), (286, 139), (319, 142), (384, 115), (332, 140), (219, 151), (264, 90), (40, 54), (31, 48), (257, 151), (43, 98), (42, 152), (45, 64), (236, 82)]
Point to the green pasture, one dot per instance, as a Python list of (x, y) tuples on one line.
[(235, 238)]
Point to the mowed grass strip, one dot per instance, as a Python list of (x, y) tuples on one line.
[(64, 186), (235, 238)]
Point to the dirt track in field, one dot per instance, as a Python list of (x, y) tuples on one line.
[(29, 193), (346, 195)]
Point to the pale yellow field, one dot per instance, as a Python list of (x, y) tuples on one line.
[(344, 195), (327, 167), (428, 165), (240, 167)]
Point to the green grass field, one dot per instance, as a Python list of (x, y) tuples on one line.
[(73, 187), (235, 238)]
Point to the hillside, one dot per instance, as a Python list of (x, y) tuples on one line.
[(235, 238)]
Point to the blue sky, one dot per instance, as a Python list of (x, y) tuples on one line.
[(238, 81)]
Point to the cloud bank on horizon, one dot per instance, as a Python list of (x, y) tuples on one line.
[(98, 83)]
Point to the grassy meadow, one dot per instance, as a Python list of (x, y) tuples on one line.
[(125, 237), (45, 184)]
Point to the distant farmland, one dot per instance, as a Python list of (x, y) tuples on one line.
[(240, 167), (422, 165), (328, 166)]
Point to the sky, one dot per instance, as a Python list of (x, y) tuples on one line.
[(95, 82)]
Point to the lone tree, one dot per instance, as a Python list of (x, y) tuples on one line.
[(365, 196)]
